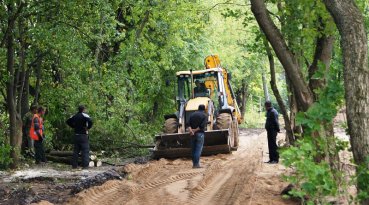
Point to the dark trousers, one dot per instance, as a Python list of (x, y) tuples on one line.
[(82, 145), (24, 146), (39, 151), (197, 143), (272, 145)]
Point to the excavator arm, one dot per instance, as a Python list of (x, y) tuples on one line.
[(213, 61)]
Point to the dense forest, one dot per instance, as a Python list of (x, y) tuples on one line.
[(119, 58)]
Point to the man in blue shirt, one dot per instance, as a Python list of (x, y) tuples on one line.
[(198, 122)]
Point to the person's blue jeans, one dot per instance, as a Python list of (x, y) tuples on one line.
[(197, 142)]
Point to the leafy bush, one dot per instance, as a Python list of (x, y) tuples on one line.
[(312, 180), (313, 177), (362, 177), (5, 159)]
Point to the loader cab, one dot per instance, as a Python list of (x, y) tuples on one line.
[(205, 83)]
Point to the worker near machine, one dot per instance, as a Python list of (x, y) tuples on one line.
[(37, 134), (81, 122), (200, 89), (272, 128), (27, 141), (197, 122)]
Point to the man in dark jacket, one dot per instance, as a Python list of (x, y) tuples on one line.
[(272, 127), (81, 122), (198, 122), (27, 141)]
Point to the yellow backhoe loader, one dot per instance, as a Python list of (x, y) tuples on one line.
[(213, 90)]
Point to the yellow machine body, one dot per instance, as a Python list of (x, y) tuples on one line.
[(221, 135)]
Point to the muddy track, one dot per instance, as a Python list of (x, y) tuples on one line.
[(224, 179)]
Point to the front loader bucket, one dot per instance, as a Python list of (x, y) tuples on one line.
[(178, 145)]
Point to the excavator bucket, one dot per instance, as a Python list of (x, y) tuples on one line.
[(178, 145)]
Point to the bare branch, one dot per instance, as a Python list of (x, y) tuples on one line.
[(227, 3), (275, 15), (76, 28)]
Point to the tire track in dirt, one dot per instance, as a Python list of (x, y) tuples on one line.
[(113, 192), (209, 189), (224, 179), (147, 191), (100, 193), (171, 179), (233, 180), (238, 189)]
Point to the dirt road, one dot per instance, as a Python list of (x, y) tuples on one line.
[(237, 178)]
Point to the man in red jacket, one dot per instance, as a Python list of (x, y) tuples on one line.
[(36, 133)]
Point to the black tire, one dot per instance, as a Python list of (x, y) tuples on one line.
[(224, 121), (236, 134), (171, 125)]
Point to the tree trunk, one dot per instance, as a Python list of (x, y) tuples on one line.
[(15, 128), (61, 153), (265, 87), (323, 54), (38, 80), (144, 21), (288, 60), (25, 95), (155, 110), (300, 89), (22, 62), (244, 94), (289, 133), (354, 42), (296, 129)]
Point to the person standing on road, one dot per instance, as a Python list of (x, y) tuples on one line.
[(37, 134), (198, 122), (81, 122), (272, 128), (27, 141)]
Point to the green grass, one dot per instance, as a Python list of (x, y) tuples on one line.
[(253, 119)]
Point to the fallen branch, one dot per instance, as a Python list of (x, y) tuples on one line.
[(133, 146), (64, 160), (68, 160), (61, 153)]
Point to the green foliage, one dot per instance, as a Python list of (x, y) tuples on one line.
[(362, 178), (118, 67), (253, 119), (313, 181), (5, 159), (324, 110)]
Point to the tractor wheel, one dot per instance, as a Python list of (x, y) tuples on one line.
[(236, 135), (224, 121), (171, 125)]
